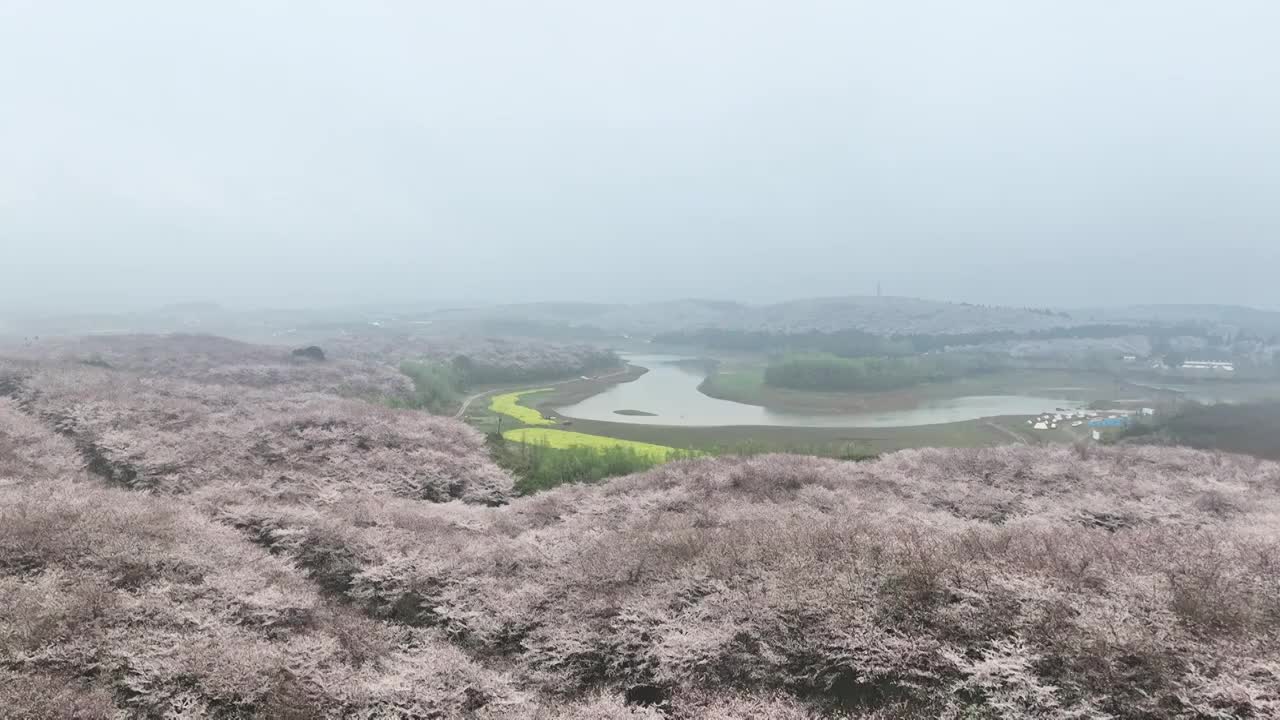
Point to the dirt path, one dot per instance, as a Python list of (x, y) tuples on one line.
[(466, 404), (1016, 437)]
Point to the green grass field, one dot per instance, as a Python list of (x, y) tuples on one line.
[(743, 381), (563, 439), (740, 384), (509, 404)]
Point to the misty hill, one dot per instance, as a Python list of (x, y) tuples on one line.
[(877, 315), (582, 321), (209, 359), (881, 315), (1227, 318), (896, 315)]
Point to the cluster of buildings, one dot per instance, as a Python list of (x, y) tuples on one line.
[(1209, 365), (1050, 421), (1206, 365), (1116, 419)]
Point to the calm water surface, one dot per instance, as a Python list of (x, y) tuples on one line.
[(670, 392)]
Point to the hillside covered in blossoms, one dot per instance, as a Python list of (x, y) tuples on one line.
[(222, 531)]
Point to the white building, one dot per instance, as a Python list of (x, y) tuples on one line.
[(1209, 365)]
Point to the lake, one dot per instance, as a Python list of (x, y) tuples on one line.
[(668, 395)]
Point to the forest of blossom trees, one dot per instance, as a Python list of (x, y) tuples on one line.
[(482, 360), (183, 544)]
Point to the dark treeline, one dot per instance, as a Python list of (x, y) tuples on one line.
[(827, 372), (1248, 428), (847, 343), (858, 343), (539, 467), (526, 328), (437, 385), (478, 372)]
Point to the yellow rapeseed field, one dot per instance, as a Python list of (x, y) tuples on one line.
[(508, 404), (566, 439)]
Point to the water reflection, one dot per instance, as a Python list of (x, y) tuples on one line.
[(669, 391)]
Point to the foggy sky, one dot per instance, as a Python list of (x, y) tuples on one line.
[(1026, 152)]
